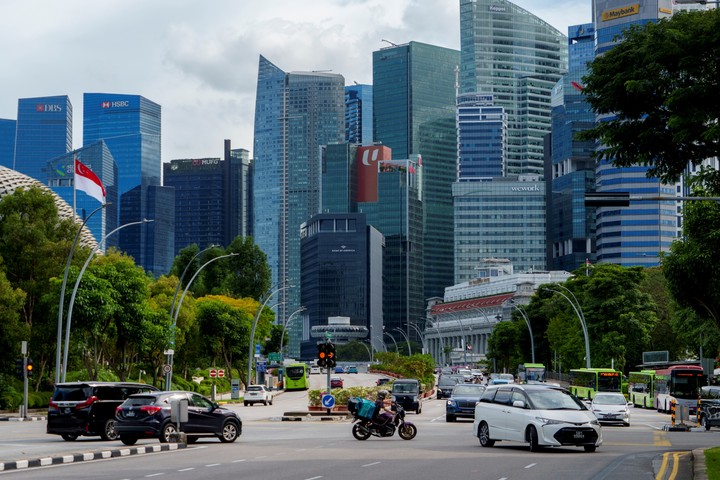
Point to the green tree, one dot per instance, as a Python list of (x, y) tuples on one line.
[(661, 85), (503, 346), (12, 329)]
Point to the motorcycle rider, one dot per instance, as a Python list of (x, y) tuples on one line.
[(384, 407)]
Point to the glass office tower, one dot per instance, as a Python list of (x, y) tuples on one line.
[(633, 235), (482, 138), (44, 131), (130, 126), (295, 113), (518, 58), (359, 114), (571, 226), (7, 142), (414, 114)]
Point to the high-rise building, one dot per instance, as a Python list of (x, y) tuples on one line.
[(130, 127), (239, 188), (414, 87), (482, 138), (633, 235), (359, 114), (339, 178), (295, 113), (7, 142), (342, 275), (571, 168), (518, 58), (44, 131)]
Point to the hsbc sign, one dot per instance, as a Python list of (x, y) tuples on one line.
[(40, 107), (118, 104)]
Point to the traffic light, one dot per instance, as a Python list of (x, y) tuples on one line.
[(322, 355), (29, 367), (330, 352), (20, 368)]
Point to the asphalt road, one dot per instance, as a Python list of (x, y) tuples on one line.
[(271, 449)]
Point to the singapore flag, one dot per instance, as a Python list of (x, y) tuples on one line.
[(88, 182)]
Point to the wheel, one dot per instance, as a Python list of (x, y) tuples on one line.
[(418, 409), (270, 402), (69, 437), (167, 430), (246, 403), (407, 431), (484, 435), (265, 403), (360, 434), (449, 418), (533, 439), (704, 422), (230, 432), (108, 431), (590, 448), (127, 440)]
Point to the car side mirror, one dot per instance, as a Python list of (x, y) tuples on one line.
[(519, 404), (214, 406)]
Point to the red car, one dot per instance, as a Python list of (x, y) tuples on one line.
[(336, 382)]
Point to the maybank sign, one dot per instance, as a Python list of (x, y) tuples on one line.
[(620, 12)]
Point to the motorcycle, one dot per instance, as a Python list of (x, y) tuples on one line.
[(364, 428)]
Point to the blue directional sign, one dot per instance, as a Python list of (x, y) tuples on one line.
[(328, 401)]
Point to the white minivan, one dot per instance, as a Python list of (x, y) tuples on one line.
[(539, 415)]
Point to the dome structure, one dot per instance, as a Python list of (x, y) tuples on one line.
[(11, 180)]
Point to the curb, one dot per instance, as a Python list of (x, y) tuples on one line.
[(21, 419), (698, 464), (84, 457)]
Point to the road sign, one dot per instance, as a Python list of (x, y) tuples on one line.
[(166, 368), (257, 349), (275, 357), (213, 373), (328, 401), (261, 366), (221, 373)]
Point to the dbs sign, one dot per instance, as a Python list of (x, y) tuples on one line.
[(367, 161)]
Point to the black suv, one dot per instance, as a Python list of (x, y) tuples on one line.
[(88, 408), (406, 393), (148, 415), (709, 412)]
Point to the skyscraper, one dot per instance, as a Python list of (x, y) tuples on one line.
[(130, 127), (482, 138), (414, 115), (295, 113), (633, 235), (44, 131), (516, 57), (359, 114), (7, 142)]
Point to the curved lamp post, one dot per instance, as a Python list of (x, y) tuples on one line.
[(58, 351), (420, 334), (527, 322), (462, 335), (77, 284), (581, 317), (407, 339), (287, 322), (177, 289), (397, 350), (252, 332), (171, 352), (382, 341), (442, 341)]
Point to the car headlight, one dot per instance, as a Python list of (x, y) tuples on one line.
[(594, 422), (549, 421), (451, 403)]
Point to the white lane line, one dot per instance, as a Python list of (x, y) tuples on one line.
[(531, 465), (369, 464), (263, 456), (213, 464), (238, 461), (186, 469), (313, 478), (154, 474)]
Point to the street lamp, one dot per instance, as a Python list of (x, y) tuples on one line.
[(287, 323), (77, 284), (252, 332), (58, 350), (420, 334), (442, 342), (527, 322), (462, 335), (382, 342), (407, 339), (581, 317), (177, 289), (171, 351), (397, 350)]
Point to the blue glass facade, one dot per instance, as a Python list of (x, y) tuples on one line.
[(482, 138), (295, 113), (130, 127), (44, 131), (7, 142), (517, 57), (359, 114), (414, 114), (339, 178), (571, 227), (633, 235)]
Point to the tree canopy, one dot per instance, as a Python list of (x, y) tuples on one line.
[(660, 90)]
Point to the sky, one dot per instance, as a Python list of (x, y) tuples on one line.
[(199, 59)]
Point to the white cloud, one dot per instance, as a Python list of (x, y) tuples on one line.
[(198, 60)]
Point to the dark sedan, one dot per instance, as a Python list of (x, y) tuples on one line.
[(462, 401), (148, 415)]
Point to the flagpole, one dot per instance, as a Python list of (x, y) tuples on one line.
[(74, 189)]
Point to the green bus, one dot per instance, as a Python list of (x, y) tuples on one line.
[(641, 388), (585, 382), (531, 372), (296, 377)]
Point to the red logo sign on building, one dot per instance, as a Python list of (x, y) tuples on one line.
[(368, 159)]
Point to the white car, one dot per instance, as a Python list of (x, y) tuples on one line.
[(611, 408), (314, 370), (258, 394), (539, 415)]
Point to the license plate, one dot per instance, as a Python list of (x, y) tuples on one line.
[(131, 413), (579, 435), (67, 410)]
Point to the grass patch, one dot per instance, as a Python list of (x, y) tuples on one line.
[(712, 462)]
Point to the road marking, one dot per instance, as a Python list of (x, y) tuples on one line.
[(237, 461), (186, 469), (213, 464), (370, 464), (313, 478), (154, 474), (531, 465), (675, 467)]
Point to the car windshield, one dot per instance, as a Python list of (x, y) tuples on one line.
[(252, 388), (468, 389), (553, 399), (609, 399), (404, 388)]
